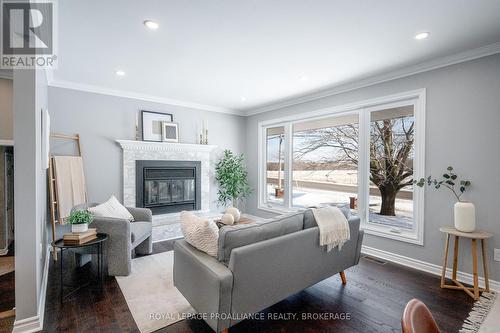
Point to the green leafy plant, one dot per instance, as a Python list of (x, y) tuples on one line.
[(449, 181), (80, 217), (231, 175)]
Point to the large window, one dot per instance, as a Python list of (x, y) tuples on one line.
[(365, 156), (392, 149), (325, 161), (275, 164)]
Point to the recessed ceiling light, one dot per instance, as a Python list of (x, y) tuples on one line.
[(151, 24), (120, 73), (243, 98), (422, 35), (303, 78)]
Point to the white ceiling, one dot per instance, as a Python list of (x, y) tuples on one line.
[(211, 53)]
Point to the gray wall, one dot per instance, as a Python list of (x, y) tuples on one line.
[(102, 119), (462, 129), (30, 96), (6, 126)]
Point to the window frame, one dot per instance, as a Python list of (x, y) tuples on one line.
[(363, 109)]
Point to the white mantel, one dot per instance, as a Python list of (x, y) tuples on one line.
[(143, 150)]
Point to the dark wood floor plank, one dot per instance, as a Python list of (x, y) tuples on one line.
[(374, 298)]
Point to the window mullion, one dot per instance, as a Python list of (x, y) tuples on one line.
[(363, 165), (288, 168)]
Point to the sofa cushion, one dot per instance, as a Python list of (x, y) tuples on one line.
[(139, 231), (310, 221), (231, 237)]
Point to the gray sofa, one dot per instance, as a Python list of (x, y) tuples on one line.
[(259, 265), (124, 237)]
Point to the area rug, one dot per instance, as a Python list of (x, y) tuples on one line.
[(484, 317), (6, 265), (150, 293)]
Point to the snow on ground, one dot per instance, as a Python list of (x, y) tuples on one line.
[(306, 197)]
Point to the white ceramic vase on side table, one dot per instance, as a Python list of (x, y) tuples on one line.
[(465, 216)]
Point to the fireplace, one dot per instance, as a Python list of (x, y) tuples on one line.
[(168, 186)]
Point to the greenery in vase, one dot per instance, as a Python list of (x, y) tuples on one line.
[(231, 175), (449, 181), (80, 217)]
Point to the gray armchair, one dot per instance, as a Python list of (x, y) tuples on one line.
[(124, 237)]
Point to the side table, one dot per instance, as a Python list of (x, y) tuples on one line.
[(474, 237), (98, 243)]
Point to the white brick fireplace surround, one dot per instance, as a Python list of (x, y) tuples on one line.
[(142, 150)]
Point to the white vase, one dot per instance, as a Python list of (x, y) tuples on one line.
[(465, 216), (77, 228)]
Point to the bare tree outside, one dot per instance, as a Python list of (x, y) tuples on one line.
[(391, 153)]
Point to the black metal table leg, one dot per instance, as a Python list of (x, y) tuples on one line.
[(99, 264), (61, 269), (101, 276)]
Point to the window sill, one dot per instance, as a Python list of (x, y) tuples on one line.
[(275, 209), (406, 236), (411, 237)]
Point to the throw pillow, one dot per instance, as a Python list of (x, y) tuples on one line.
[(201, 233), (111, 208)]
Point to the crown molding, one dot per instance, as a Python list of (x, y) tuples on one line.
[(6, 142), (128, 145), (373, 80), (323, 93), (53, 82)]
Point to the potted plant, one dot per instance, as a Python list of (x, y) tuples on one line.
[(464, 212), (80, 220), (231, 175)]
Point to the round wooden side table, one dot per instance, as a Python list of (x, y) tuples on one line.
[(474, 237)]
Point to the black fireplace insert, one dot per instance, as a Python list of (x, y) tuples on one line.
[(168, 186)]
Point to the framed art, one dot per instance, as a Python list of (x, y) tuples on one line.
[(152, 125), (170, 132)]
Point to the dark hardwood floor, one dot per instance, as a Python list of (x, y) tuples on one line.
[(373, 299)]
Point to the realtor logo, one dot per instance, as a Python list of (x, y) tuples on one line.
[(28, 34)]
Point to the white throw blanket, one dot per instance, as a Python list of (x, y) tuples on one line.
[(333, 227), (70, 184)]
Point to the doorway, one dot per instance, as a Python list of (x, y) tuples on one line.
[(7, 275)]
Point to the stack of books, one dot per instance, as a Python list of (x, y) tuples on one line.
[(80, 238)]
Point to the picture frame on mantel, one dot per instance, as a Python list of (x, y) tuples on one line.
[(170, 132), (152, 125)]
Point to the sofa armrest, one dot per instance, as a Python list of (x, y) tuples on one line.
[(205, 282), (141, 214)]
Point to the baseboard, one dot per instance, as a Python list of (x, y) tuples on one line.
[(35, 323), (425, 266), (31, 324)]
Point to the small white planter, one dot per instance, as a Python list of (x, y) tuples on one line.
[(465, 216), (76, 228)]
